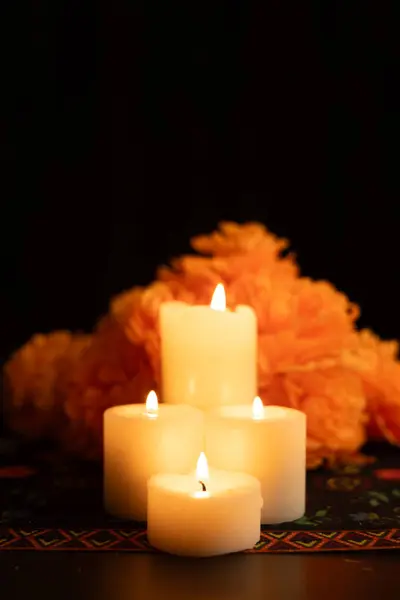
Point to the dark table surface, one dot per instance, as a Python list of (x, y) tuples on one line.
[(59, 575)]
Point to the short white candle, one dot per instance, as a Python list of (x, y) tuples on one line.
[(141, 440), (209, 353), (269, 443), (197, 515)]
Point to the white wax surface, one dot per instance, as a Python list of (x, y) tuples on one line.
[(209, 357), (272, 449), (136, 446), (185, 521)]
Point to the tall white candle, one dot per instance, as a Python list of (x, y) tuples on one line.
[(141, 440), (201, 515), (269, 443), (209, 354)]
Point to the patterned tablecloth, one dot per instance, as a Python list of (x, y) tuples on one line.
[(48, 503)]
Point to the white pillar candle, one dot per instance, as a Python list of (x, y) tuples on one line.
[(209, 353), (269, 443), (141, 440), (197, 515)]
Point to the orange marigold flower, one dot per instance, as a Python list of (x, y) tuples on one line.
[(34, 378), (136, 312), (111, 371), (234, 249), (233, 238), (334, 402), (302, 324), (379, 370)]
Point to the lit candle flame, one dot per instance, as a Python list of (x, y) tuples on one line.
[(258, 408), (202, 473), (152, 404), (218, 301)]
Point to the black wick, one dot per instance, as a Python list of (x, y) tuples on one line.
[(203, 487)]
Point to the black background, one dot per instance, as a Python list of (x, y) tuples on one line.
[(129, 127)]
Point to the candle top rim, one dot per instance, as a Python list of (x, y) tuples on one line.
[(245, 412), (220, 483), (128, 411), (181, 306)]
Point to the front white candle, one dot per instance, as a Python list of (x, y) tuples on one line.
[(269, 443), (141, 440), (192, 515), (209, 354)]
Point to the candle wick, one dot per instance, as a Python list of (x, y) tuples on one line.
[(203, 487)]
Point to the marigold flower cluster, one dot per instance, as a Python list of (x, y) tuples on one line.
[(311, 356)]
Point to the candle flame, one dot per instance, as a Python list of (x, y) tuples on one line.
[(202, 473), (152, 404), (218, 301), (258, 408)]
